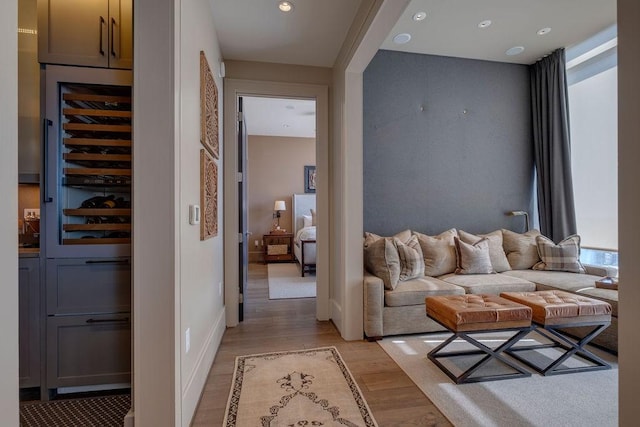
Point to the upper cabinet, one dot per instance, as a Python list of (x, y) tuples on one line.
[(97, 33)]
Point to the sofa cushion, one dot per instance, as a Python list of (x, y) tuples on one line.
[(561, 257), (414, 292), (372, 237), (439, 252), (521, 249), (561, 280), (489, 283), (473, 259), (499, 259), (411, 260)]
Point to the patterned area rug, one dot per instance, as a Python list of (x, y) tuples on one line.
[(295, 388), (107, 411)]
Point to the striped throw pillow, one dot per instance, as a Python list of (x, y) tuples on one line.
[(565, 256), (411, 259)]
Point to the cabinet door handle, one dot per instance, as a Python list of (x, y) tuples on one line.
[(107, 261), (46, 196), (114, 320), (113, 27), (102, 24)]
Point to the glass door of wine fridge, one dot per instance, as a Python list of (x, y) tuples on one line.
[(87, 185)]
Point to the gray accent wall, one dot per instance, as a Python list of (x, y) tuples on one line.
[(447, 143)]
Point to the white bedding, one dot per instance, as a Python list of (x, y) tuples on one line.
[(306, 233)]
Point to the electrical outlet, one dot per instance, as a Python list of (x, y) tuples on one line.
[(187, 340), (256, 243)]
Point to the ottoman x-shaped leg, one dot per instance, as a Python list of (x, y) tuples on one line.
[(490, 354), (572, 349)]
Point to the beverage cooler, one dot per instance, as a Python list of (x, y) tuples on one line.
[(86, 200), (87, 171)]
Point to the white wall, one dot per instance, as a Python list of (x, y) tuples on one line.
[(175, 275), (628, 207), (8, 220), (373, 22), (201, 262)]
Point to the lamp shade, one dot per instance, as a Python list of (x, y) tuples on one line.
[(280, 205)]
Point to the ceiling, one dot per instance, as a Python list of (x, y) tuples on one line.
[(312, 34), (280, 117)]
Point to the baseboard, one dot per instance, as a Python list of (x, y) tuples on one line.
[(129, 420), (194, 386)]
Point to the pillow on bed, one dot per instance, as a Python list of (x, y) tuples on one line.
[(306, 221)]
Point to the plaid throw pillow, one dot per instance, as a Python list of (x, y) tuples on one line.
[(561, 257), (411, 260)]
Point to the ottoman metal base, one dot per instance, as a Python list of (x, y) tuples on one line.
[(572, 349), (490, 354)]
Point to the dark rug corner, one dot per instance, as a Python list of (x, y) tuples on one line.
[(102, 411)]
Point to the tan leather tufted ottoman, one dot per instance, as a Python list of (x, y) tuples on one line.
[(556, 310), (465, 315)]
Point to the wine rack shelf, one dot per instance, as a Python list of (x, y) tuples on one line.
[(96, 170)]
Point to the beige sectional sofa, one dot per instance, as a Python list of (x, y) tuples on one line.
[(396, 283)]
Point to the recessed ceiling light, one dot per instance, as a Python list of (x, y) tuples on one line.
[(516, 50), (420, 16), (285, 6), (543, 31), (402, 38), (484, 24)]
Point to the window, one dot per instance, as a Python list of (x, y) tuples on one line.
[(592, 76)]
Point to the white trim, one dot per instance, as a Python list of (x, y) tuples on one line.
[(233, 88), (194, 386)]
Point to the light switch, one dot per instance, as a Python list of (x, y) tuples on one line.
[(194, 214)]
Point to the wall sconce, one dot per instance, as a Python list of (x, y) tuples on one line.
[(520, 213), (278, 207)]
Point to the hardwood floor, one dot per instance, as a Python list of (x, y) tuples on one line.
[(289, 325)]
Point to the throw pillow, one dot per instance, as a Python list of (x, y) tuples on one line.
[(306, 221), (521, 249), (473, 259), (561, 257), (411, 260), (439, 252), (313, 217), (372, 237), (381, 259), (499, 259)]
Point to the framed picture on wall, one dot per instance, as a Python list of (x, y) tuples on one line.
[(208, 108), (309, 179), (208, 196)]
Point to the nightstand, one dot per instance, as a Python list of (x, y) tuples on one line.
[(278, 247)]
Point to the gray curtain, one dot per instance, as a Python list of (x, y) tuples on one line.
[(552, 146)]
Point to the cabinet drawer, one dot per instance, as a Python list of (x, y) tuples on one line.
[(78, 286), (88, 350)]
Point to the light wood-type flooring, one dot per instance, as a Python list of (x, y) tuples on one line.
[(290, 325)]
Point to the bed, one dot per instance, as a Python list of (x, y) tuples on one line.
[(304, 232)]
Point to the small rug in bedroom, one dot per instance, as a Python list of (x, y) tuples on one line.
[(576, 399), (285, 281), (295, 388)]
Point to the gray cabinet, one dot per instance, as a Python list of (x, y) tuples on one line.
[(88, 350), (29, 321), (88, 336), (87, 33)]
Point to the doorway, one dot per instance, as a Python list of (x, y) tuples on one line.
[(280, 153), (234, 91)]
